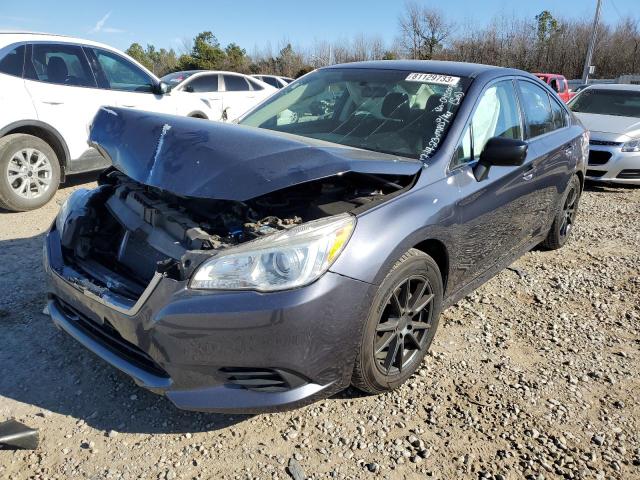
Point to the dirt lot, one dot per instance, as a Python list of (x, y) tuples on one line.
[(536, 375)]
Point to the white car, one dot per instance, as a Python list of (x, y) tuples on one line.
[(221, 95), (51, 87), (274, 80), (612, 115)]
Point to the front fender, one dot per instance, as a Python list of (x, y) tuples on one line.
[(383, 234)]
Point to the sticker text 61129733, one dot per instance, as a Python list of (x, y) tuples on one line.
[(433, 78)]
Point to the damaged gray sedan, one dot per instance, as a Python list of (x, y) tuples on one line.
[(262, 266)]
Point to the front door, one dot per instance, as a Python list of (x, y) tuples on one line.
[(201, 92), (495, 216), (128, 84)]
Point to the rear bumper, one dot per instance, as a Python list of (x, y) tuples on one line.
[(182, 343), (619, 167)]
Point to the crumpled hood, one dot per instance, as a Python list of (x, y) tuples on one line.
[(622, 126), (204, 159)]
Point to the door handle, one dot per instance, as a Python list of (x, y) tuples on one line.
[(528, 175), (568, 149), (129, 106), (51, 102)]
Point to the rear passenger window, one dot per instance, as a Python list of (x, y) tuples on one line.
[(254, 85), (497, 115), (537, 109), (559, 115), (60, 64), (13, 62), (205, 83), (234, 83), (271, 81)]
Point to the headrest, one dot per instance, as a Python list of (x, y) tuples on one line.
[(396, 106), (57, 70), (433, 102)]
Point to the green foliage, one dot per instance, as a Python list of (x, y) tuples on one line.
[(546, 26), (390, 55), (159, 62)]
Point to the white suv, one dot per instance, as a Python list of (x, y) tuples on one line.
[(223, 96), (50, 89)]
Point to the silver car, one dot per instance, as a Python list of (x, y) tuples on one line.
[(612, 115)]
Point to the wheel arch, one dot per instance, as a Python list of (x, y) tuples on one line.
[(437, 250), (580, 175), (46, 133)]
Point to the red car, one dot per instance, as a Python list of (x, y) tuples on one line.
[(558, 83)]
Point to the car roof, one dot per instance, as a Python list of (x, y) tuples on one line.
[(7, 37), (217, 72), (614, 86), (461, 69)]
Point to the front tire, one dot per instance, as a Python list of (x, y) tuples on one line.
[(401, 324), (565, 217), (29, 172)]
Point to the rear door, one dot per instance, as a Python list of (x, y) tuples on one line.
[(64, 91), (546, 131), (237, 97), (495, 215), (15, 101)]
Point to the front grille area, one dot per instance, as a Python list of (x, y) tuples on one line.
[(262, 379), (631, 174), (595, 173), (604, 143), (598, 157), (110, 338)]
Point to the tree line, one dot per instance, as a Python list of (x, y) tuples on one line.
[(544, 43)]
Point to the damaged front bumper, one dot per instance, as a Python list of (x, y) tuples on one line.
[(216, 351)]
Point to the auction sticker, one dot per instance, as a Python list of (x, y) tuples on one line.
[(432, 78)]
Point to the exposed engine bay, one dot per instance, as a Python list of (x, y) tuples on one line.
[(127, 231)]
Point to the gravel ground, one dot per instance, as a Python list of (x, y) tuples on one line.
[(533, 376)]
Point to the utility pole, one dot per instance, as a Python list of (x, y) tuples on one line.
[(592, 44)]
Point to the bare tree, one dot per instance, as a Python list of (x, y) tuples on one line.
[(423, 31)]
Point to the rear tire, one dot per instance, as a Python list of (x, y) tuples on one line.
[(29, 172), (401, 324), (565, 217)]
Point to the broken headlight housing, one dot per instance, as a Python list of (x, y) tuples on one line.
[(287, 259)]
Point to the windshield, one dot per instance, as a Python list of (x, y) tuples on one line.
[(390, 111), (173, 79), (621, 103)]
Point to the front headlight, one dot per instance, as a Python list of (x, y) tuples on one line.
[(287, 259), (76, 199), (631, 146)]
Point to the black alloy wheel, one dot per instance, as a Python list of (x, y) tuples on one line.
[(403, 326), (569, 211), (565, 217)]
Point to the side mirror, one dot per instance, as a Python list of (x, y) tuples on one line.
[(188, 88), (500, 152), (161, 88)]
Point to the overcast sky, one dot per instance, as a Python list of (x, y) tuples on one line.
[(253, 23)]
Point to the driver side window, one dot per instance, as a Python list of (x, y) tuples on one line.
[(496, 115), (121, 74)]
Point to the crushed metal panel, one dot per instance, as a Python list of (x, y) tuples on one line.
[(201, 159)]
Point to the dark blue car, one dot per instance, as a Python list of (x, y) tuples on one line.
[(262, 266)]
